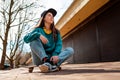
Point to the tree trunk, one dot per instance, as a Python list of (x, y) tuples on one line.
[(4, 47), (11, 64), (6, 37), (3, 59)]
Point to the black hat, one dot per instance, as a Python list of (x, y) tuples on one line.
[(51, 10)]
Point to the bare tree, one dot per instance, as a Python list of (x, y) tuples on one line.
[(7, 24), (13, 17), (18, 42)]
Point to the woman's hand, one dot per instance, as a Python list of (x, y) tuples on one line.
[(43, 39), (55, 59)]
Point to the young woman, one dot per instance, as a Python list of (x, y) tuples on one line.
[(46, 43)]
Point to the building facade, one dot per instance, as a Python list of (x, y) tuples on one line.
[(93, 30)]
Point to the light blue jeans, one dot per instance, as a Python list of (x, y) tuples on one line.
[(38, 53)]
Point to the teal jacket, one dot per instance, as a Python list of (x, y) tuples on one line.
[(52, 47)]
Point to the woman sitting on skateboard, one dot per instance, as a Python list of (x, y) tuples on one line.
[(46, 43)]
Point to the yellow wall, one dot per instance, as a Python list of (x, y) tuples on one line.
[(75, 14)]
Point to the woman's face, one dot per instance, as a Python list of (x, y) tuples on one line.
[(49, 18)]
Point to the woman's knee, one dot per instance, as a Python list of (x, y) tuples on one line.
[(34, 43), (70, 50)]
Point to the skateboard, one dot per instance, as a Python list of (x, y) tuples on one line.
[(43, 68), (31, 68)]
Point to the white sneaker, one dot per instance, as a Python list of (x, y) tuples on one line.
[(55, 68), (46, 67)]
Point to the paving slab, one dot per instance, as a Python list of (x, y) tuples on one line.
[(90, 71)]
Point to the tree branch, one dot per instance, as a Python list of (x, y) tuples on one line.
[(18, 55), (4, 16), (17, 39), (3, 10), (11, 49), (17, 11), (20, 9), (24, 21), (1, 38), (7, 57), (10, 15)]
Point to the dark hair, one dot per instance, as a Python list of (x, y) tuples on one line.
[(52, 27)]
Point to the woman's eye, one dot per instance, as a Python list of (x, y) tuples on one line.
[(50, 15)]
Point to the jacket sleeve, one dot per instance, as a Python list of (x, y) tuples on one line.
[(58, 45), (32, 35)]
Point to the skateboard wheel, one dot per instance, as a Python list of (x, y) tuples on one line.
[(31, 69)]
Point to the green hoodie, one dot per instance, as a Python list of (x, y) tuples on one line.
[(52, 47)]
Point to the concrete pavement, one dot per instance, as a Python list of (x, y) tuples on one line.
[(90, 71)]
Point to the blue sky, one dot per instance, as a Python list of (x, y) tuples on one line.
[(60, 5)]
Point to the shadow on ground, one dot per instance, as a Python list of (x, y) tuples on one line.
[(67, 71), (76, 71)]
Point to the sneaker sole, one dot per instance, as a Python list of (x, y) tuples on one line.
[(44, 68), (57, 69)]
